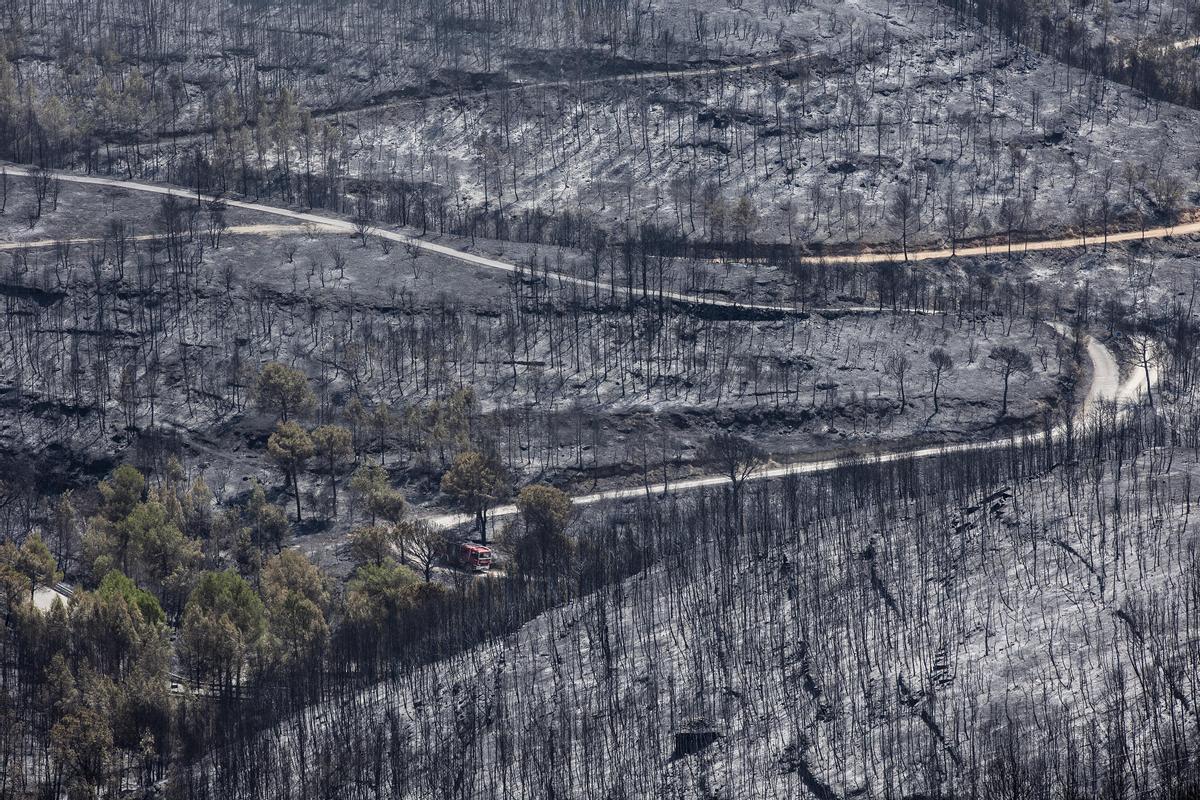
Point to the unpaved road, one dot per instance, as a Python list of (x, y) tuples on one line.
[(326, 224), (321, 223), (233, 230), (1066, 243), (1106, 384)]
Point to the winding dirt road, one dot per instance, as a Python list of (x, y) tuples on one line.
[(1106, 384), (325, 224), (320, 223)]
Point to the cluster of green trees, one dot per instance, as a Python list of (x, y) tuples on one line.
[(176, 621), (86, 680), (150, 533), (330, 450), (95, 687), (476, 479), (208, 573), (91, 679)]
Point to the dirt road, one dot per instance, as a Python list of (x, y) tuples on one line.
[(325, 224), (1065, 243), (233, 230), (1105, 386), (328, 224)]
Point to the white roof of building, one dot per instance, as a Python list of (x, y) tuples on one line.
[(44, 597)]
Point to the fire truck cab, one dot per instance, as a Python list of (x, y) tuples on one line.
[(472, 557)]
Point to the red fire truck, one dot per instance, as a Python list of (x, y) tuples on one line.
[(470, 556)]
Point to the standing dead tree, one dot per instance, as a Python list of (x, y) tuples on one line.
[(737, 458), (1007, 361)]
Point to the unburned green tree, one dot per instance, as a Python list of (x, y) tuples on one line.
[(290, 447), (333, 445), (377, 594), (476, 482), (268, 522), (223, 627), (34, 561), (121, 491), (543, 546), (119, 628), (296, 595), (282, 390), (372, 545), (370, 485), (161, 555)]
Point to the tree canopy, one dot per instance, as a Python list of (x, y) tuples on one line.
[(476, 481)]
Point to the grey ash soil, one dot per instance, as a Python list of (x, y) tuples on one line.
[(418, 53), (1148, 275), (86, 211), (843, 609), (631, 403), (945, 111), (1016, 618)]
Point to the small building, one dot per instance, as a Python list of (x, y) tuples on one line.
[(45, 596)]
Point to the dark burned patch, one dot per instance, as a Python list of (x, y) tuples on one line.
[(583, 63), (695, 737), (108, 333), (678, 105), (447, 82), (43, 297), (723, 313), (793, 761), (580, 62), (707, 144), (756, 417), (55, 467), (41, 407), (450, 81), (720, 119), (465, 24), (597, 472), (312, 526)]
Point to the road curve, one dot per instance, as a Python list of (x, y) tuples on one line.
[(1106, 385), (322, 223), (326, 224)]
